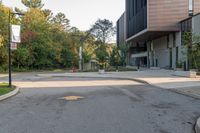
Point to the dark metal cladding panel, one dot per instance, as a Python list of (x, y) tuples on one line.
[(121, 30), (136, 16)]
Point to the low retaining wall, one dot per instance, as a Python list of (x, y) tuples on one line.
[(189, 74)]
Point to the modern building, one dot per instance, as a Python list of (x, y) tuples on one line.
[(121, 29), (154, 30)]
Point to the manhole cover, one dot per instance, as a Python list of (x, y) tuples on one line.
[(72, 98)]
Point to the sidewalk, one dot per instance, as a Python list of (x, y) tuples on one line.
[(159, 78), (3, 75)]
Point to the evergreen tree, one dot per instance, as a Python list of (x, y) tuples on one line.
[(33, 3)]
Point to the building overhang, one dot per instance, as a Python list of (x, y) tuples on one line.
[(147, 35)]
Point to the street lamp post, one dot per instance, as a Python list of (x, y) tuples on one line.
[(82, 40), (9, 51), (9, 45)]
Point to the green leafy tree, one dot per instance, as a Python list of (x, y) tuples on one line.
[(115, 59), (48, 41), (101, 56), (124, 48), (103, 30), (3, 36), (21, 57), (68, 58), (192, 44)]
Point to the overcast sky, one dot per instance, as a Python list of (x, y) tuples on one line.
[(81, 13)]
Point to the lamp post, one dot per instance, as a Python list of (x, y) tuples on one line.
[(9, 45), (82, 40)]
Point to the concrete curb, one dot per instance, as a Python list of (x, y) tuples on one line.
[(185, 93), (10, 94), (197, 127), (121, 78)]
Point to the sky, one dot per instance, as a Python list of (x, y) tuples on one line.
[(81, 13)]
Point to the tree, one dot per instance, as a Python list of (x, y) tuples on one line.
[(33, 3), (192, 45), (115, 59), (101, 55), (68, 58), (48, 14), (3, 36), (21, 57), (36, 37), (103, 30), (48, 41), (61, 20), (124, 48), (1, 40)]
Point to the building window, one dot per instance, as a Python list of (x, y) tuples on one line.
[(143, 3), (133, 7), (177, 54), (174, 40), (168, 41), (186, 26), (137, 6), (129, 10), (136, 16)]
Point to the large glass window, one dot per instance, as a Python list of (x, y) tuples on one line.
[(133, 7), (143, 3), (136, 16)]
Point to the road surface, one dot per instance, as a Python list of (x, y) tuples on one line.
[(107, 106)]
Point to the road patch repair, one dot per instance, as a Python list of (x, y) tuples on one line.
[(72, 98)]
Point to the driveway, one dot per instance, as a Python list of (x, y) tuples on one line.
[(108, 106)]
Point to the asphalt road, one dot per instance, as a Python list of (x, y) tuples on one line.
[(129, 107)]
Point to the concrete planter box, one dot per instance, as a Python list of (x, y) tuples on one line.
[(189, 74), (178, 69), (155, 68), (101, 71)]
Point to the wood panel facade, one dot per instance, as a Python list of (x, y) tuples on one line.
[(196, 6), (164, 15)]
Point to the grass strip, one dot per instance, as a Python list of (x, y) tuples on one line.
[(4, 89)]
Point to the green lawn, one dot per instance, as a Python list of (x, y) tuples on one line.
[(5, 89)]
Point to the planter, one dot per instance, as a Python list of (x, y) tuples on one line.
[(155, 68), (179, 69), (101, 71), (189, 74), (194, 70)]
